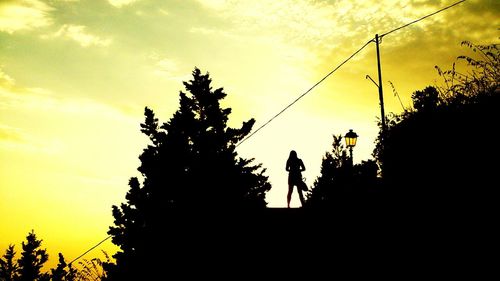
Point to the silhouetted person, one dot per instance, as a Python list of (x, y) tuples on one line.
[(295, 166)]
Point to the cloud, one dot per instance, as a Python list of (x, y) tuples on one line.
[(79, 34), (12, 138), (42, 100), (292, 20), (121, 3), (24, 15), (8, 133), (30, 99), (163, 12), (214, 4), (38, 108), (167, 68), (208, 31), (331, 25), (6, 80)]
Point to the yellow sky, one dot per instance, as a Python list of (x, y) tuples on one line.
[(75, 77)]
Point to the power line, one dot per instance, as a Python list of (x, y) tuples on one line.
[(305, 93), (95, 246), (331, 72), (270, 120), (422, 18)]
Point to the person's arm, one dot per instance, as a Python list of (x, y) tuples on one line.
[(287, 166), (302, 167)]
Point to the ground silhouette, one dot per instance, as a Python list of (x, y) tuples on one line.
[(200, 209), (428, 160)]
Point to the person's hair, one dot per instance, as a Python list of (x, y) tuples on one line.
[(293, 155)]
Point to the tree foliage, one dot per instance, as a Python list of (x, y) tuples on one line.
[(8, 267), (29, 265), (66, 272), (426, 100), (32, 259), (190, 163), (59, 273), (333, 175), (440, 148), (340, 180)]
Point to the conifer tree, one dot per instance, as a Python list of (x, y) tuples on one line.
[(32, 259), (60, 273), (8, 268), (190, 163)]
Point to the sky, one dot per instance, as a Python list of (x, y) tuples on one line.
[(75, 77)]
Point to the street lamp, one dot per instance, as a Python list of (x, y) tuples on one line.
[(350, 141)]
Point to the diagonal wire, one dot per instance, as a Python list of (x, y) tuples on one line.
[(305, 93), (422, 18), (301, 96), (331, 72), (89, 250)]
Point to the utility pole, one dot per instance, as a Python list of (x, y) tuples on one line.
[(381, 98), (380, 90)]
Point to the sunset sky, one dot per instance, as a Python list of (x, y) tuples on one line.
[(75, 77)]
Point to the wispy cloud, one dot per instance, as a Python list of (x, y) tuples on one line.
[(30, 99), (11, 137), (43, 100), (121, 3), (203, 30), (291, 20), (167, 68), (214, 4), (328, 25), (79, 34), (8, 133), (24, 15), (39, 108), (16, 139), (163, 12), (6, 80)]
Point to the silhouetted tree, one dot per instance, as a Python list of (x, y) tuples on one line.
[(426, 100), (8, 268), (32, 259), (334, 174), (60, 273), (190, 162), (72, 274), (339, 180), (365, 178), (440, 149)]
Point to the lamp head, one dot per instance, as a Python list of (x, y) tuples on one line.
[(350, 139)]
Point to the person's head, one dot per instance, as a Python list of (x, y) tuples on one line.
[(293, 155)]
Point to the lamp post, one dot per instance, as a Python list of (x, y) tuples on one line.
[(350, 141)]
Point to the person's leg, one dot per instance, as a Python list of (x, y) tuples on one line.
[(289, 195), (301, 196)]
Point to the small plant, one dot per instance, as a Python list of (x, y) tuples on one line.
[(92, 270)]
